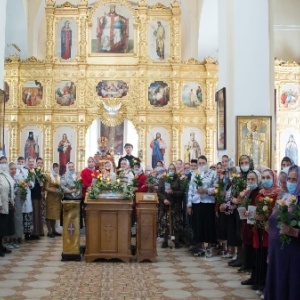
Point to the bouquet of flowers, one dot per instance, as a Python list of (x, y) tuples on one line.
[(30, 176), (289, 214), (135, 181), (22, 186), (219, 191), (40, 174), (151, 178), (198, 179), (238, 185), (168, 178), (263, 208), (184, 182), (78, 183), (245, 198)]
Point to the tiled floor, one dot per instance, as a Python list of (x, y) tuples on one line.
[(35, 272)]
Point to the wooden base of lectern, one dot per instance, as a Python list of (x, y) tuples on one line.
[(71, 230), (108, 229), (146, 226)]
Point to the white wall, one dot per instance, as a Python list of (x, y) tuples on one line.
[(2, 38)]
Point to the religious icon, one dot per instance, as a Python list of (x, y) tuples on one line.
[(115, 137), (66, 40), (254, 139), (158, 147), (112, 88), (158, 93), (31, 148), (159, 39), (64, 149), (291, 149), (32, 93), (112, 30), (191, 94), (65, 93), (192, 149), (289, 95)]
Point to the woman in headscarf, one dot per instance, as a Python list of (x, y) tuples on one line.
[(270, 189), (53, 200), (6, 208), (125, 173), (286, 162), (283, 273), (88, 174), (253, 188)]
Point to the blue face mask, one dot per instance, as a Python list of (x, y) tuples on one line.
[(159, 169), (291, 187), (187, 172), (267, 183), (252, 186), (171, 173)]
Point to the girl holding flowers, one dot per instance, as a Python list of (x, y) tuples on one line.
[(283, 273)]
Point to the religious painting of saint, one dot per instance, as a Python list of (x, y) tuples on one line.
[(291, 149), (158, 93), (289, 96), (66, 39), (31, 139), (158, 140), (112, 29), (65, 93), (254, 139), (32, 93), (191, 94), (64, 147), (112, 89), (191, 138), (159, 40), (289, 144), (6, 91), (115, 138), (221, 118)]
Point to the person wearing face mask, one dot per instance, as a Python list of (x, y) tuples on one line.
[(36, 196), (87, 175), (283, 263), (7, 196), (140, 177), (286, 162), (246, 165), (269, 189), (53, 200), (201, 205), (170, 195), (248, 198)]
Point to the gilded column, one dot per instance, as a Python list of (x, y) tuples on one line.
[(141, 130), (49, 30), (48, 146), (176, 32), (83, 28), (175, 149), (14, 141), (142, 23), (81, 133), (14, 83)]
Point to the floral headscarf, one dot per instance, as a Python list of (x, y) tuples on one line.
[(275, 189)]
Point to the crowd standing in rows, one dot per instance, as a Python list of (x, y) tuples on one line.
[(248, 215)]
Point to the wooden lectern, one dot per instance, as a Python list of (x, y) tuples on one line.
[(146, 226), (108, 229), (71, 230)]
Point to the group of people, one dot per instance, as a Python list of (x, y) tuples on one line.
[(227, 210)]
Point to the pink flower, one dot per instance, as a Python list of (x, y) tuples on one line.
[(290, 209)]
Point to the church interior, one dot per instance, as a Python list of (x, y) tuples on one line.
[(174, 79)]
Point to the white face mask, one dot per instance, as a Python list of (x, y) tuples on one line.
[(245, 168), (203, 168), (19, 167), (4, 167), (138, 172)]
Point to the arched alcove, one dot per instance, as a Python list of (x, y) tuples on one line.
[(117, 137)]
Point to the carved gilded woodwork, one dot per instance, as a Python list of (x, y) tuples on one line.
[(136, 69)]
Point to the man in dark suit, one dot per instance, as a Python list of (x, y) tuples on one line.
[(132, 159)]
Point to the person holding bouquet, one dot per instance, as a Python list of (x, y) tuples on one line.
[(53, 200), (170, 195), (264, 203), (283, 272), (201, 205)]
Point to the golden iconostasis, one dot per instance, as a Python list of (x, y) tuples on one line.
[(119, 66)]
